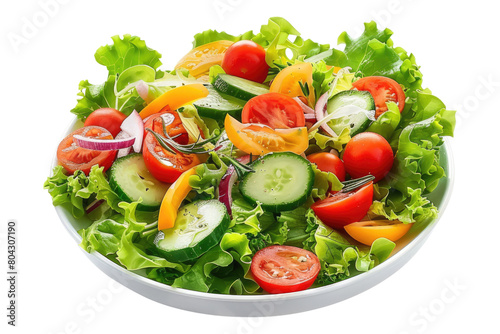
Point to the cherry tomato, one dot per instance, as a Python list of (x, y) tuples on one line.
[(246, 59), (368, 231), (275, 110), (257, 139), (73, 157), (199, 60), (289, 81), (107, 118), (164, 165), (342, 209), (281, 269), (328, 162), (368, 153), (383, 90)]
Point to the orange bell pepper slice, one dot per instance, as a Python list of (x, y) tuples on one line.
[(175, 98), (173, 200)]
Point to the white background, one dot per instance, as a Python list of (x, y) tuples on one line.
[(457, 47)]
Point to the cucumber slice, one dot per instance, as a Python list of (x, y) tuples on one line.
[(356, 121), (238, 87), (282, 181), (130, 180), (199, 226), (217, 105)]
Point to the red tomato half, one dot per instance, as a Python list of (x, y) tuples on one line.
[(108, 118), (276, 110), (383, 90), (328, 162), (164, 165), (73, 157), (246, 59), (368, 153), (281, 269), (342, 209), (172, 121)]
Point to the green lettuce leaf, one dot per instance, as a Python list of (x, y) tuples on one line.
[(340, 260), (323, 183), (77, 189), (208, 176), (131, 254), (223, 269), (387, 123), (126, 52), (103, 236), (93, 97), (209, 36), (416, 170)]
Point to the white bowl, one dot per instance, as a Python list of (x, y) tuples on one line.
[(266, 305)]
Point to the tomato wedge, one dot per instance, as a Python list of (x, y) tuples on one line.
[(342, 209), (259, 139), (164, 165), (368, 231), (289, 81), (73, 157), (199, 60), (275, 110), (383, 90), (282, 269)]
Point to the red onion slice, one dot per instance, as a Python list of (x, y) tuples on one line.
[(94, 205), (102, 144), (320, 114), (124, 151), (305, 107), (310, 116), (142, 89), (134, 126), (226, 187)]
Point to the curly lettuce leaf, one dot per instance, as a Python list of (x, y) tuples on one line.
[(209, 36), (208, 176), (103, 236), (223, 269), (93, 97), (340, 260), (274, 37), (132, 254), (323, 183), (387, 123), (76, 189), (337, 143), (126, 52), (71, 189), (416, 170)]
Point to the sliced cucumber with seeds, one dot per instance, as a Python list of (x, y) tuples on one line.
[(130, 180), (217, 105), (282, 181), (199, 226), (357, 121), (238, 87)]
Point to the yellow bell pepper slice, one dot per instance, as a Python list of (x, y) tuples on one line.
[(259, 139), (173, 199), (175, 98)]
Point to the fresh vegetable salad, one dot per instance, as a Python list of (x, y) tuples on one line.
[(260, 163)]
